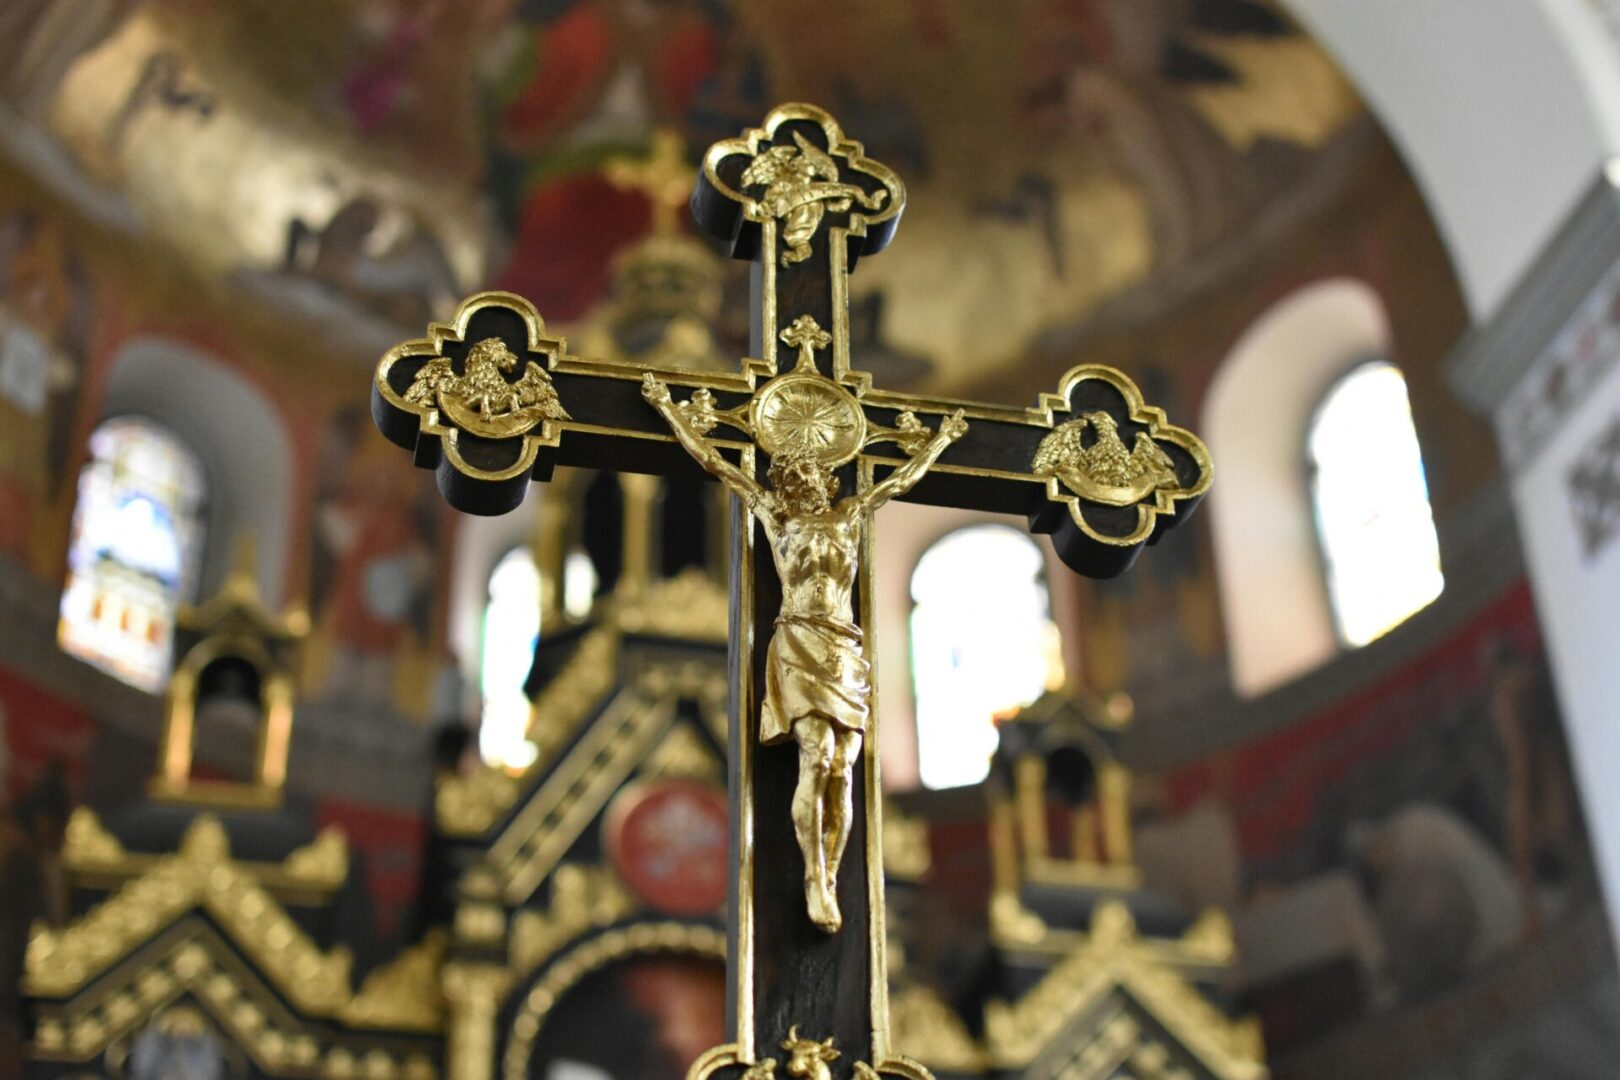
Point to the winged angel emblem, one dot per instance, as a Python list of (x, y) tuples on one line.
[(801, 185), (482, 401)]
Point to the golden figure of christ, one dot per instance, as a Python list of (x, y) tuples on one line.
[(818, 688)]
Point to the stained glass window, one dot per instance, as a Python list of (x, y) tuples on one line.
[(135, 552), (511, 629), (983, 644), (1372, 504)]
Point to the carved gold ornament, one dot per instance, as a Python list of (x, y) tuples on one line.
[(1086, 463), (1114, 959), (421, 403), (482, 401), (926, 1028), (90, 851), (808, 414), (583, 898), (405, 994), (811, 1060), (801, 185), (1103, 471), (208, 973), (201, 875), (801, 181)]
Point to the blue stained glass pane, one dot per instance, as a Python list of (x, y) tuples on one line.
[(133, 559)]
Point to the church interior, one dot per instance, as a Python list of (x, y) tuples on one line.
[(313, 766)]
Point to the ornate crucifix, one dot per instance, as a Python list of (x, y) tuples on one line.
[(809, 448)]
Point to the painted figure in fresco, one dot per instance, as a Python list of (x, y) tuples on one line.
[(408, 279), (45, 321), (372, 578), (162, 83), (40, 41), (818, 687), (1542, 825)]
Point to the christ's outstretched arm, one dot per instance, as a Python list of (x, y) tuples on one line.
[(904, 478), (747, 488)]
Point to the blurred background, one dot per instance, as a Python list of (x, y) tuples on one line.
[(1365, 251)]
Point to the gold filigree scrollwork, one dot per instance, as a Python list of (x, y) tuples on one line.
[(701, 413), (482, 400), (200, 875), (406, 993), (1114, 959), (583, 898), (908, 433)]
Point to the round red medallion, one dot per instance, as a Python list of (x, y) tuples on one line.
[(667, 841)]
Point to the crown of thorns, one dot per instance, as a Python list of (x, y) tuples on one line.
[(802, 464)]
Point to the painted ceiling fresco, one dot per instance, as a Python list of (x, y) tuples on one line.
[(373, 159)]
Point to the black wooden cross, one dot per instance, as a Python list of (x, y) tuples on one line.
[(490, 401)]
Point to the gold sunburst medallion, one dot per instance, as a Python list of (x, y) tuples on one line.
[(805, 411)]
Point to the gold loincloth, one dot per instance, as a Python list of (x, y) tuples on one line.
[(814, 667)]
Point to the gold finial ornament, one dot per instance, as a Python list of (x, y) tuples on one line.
[(802, 182), (663, 176), (233, 628)]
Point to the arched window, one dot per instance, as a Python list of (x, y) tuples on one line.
[(137, 544), (982, 644), (511, 629), (1379, 547)]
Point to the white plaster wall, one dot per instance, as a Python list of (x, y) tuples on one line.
[(1273, 601), (1503, 109), (1578, 600)]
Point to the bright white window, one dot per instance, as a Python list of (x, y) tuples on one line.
[(136, 546), (579, 585), (1372, 504), (511, 629), (983, 643)]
